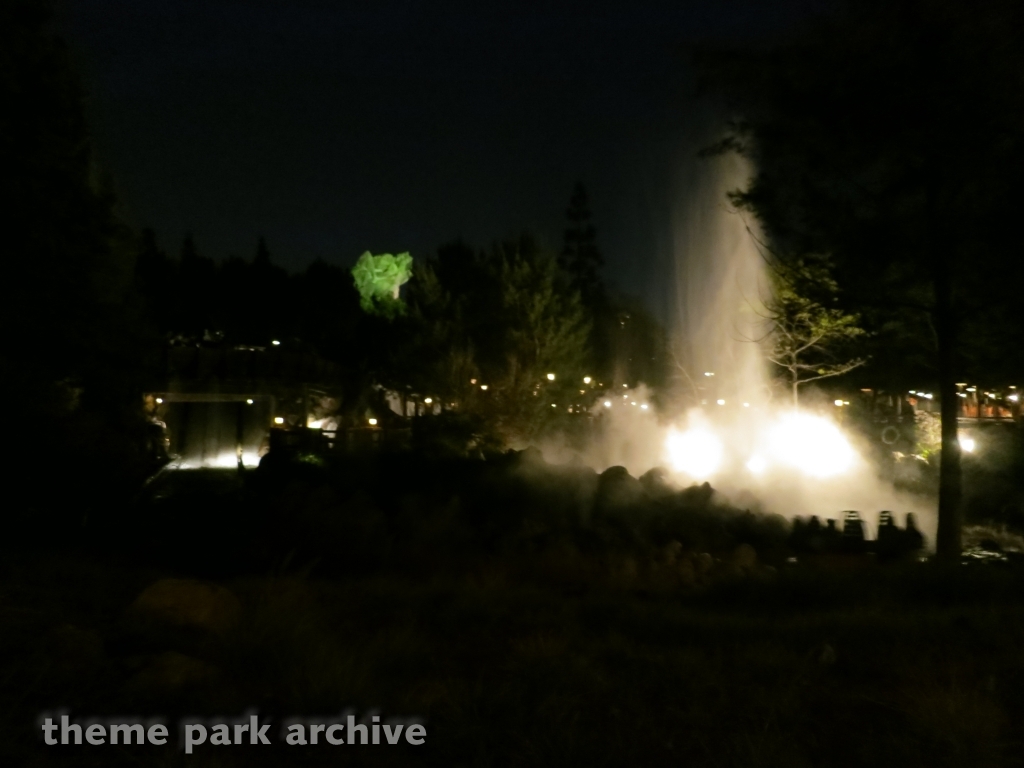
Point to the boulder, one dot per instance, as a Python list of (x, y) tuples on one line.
[(187, 603)]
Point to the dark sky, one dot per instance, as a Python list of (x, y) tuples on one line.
[(334, 127)]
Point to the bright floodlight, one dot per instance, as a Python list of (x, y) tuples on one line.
[(757, 465), (373, 422), (587, 379), (607, 403), (278, 420), (811, 444), (696, 452), (967, 444), (551, 377), (1011, 398), (839, 402)]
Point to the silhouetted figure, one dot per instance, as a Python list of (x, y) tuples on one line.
[(853, 533), (833, 539), (798, 542), (913, 539), (887, 545), (814, 536)]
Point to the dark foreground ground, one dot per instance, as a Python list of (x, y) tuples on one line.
[(582, 643)]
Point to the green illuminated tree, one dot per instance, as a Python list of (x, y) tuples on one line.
[(809, 335), (378, 280)]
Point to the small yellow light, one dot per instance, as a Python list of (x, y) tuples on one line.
[(373, 422), (553, 405), (633, 402), (587, 379), (278, 420), (428, 400), (708, 373), (159, 400), (746, 405), (551, 377), (483, 387), (472, 381), (583, 391), (607, 403), (720, 402), (644, 406), (839, 403), (625, 386), (276, 343), (249, 401)]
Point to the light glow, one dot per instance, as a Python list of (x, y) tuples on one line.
[(967, 444), (159, 400), (428, 400), (757, 465), (696, 452), (372, 422), (279, 420), (812, 444), (720, 402), (276, 343), (551, 377), (587, 379), (607, 403)]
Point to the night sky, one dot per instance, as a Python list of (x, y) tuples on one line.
[(333, 128)]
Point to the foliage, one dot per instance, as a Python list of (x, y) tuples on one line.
[(378, 279), (927, 434), (888, 135), (809, 334)]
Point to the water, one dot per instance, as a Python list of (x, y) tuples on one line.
[(719, 287)]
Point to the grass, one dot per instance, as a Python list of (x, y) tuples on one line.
[(524, 622), (808, 671)]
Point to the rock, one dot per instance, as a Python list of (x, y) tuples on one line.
[(187, 603), (744, 557), (826, 655), (173, 671), (617, 488), (702, 563)]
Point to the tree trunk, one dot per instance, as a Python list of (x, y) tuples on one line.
[(947, 544)]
